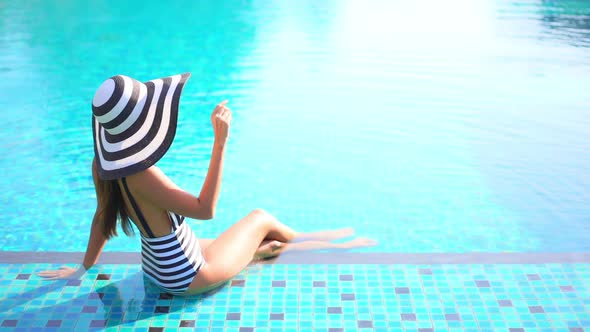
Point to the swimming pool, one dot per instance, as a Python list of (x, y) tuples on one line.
[(464, 134), (434, 127)]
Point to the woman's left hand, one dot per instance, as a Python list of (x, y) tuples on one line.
[(64, 272)]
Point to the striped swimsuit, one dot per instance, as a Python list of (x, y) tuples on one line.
[(171, 261)]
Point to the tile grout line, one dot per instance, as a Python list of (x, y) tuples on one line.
[(13, 257)]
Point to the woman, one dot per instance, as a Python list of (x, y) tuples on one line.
[(134, 124)]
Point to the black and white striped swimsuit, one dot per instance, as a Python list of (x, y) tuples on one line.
[(171, 261)]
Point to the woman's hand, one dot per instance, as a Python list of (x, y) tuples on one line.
[(64, 272), (221, 119)]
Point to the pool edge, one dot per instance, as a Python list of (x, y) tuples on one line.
[(26, 257)]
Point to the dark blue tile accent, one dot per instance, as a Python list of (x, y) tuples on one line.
[(9, 323), (187, 323), (346, 277), (365, 323), (279, 283), (277, 316), (533, 277), (238, 283), (505, 303), (73, 282), (319, 284), (517, 329), (165, 296), (567, 288), (347, 297), (536, 309), (89, 309), (334, 310), (402, 290), (482, 283), (408, 317), (53, 323), (162, 309), (246, 329), (98, 323), (23, 276), (452, 317), (233, 316), (103, 276)]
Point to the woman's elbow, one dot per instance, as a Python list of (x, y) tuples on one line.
[(208, 215), (203, 211), (201, 215), (206, 212)]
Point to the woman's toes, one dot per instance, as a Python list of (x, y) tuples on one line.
[(276, 245), (361, 242)]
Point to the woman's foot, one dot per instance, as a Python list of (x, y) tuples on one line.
[(330, 235), (269, 249), (359, 243), (272, 248)]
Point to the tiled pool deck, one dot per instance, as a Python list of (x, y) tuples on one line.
[(363, 292)]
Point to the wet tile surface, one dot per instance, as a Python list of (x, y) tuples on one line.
[(422, 298)]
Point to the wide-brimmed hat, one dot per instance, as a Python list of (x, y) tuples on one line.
[(134, 123)]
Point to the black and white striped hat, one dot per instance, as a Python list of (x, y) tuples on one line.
[(134, 123)]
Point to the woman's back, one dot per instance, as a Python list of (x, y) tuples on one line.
[(172, 259), (157, 218)]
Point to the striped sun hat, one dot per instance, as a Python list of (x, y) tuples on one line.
[(134, 123)]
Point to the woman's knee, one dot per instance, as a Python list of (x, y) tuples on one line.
[(262, 215)]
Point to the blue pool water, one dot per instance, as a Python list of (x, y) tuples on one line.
[(446, 127), (430, 126)]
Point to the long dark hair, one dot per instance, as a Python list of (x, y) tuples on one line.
[(111, 207)]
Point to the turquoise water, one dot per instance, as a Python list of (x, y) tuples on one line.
[(430, 126)]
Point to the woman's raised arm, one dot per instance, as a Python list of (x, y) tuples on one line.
[(153, 185)]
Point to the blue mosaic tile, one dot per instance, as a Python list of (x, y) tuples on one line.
[(311, 297)]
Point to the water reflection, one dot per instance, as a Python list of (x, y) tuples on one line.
[(104, 305), (567, 20)]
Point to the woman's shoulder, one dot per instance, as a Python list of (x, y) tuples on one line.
[(155, 188), (151, 179)]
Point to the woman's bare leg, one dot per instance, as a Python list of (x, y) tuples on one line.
[(329, 235), (253, 235), (265, 247), (233, 250), (271, 248), (204, 243)]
